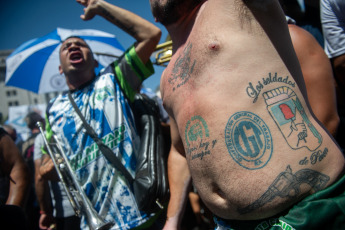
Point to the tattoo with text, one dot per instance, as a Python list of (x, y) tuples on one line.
[(249, 140), (107, 14), (287, 185), (183, 68), (315, 157), (119, 23), (289, 115), (254, 91), (197, 138)]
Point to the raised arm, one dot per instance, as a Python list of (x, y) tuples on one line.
[(14, 166), (146, 34), (318, 76), (179, 180)]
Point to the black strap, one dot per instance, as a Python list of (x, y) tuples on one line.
[(107, 152)]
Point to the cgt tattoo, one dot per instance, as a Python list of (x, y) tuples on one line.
[(287, 185), (248, 140), (197, 138), (183, 68)]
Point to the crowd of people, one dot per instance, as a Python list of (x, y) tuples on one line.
[(253, 113)]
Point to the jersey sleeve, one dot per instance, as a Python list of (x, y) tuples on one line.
[(130, 72)]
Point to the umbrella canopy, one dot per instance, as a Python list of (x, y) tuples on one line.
[(34, 65)]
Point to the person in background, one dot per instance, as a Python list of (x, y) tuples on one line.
[(16, 137), (11, 131), (28, 145), (317, 72), (32, 208), (333, 27), (306, 15), (55, 207), (14, 184), (104, 101), (311, 21), (240, 120)]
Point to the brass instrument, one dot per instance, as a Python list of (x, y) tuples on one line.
[(164, 53), (76, 195)]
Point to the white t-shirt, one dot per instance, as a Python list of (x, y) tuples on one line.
[(333, 26)]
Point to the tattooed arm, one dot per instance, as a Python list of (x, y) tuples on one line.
[(146, 34), (179, 180)]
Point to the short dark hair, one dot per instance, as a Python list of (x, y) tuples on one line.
[(72, 36), (75, 36), (32, 118)]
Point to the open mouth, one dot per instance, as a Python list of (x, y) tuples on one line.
[(76, 57)]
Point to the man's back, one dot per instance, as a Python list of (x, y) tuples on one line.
[(236, 97)]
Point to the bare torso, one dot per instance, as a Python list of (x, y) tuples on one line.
[(251, 143)]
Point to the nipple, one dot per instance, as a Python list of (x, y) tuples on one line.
[(214, 46)]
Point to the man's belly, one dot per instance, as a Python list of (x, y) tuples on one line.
[(243, 166)]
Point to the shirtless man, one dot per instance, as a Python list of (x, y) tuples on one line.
[(239, 115)]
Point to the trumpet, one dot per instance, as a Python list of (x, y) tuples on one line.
[(76, 195), (164, 53)]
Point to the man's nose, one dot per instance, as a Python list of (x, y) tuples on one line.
[(73, 46)]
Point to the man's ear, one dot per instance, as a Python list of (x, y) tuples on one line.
[(96, 63), (60, 69)]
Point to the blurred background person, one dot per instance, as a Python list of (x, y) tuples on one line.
[(307, 16), (11, 131), (14, 184), (333, 27), (316, 69), (16, 137), (32, 208)]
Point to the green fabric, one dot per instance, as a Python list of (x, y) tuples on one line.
[(48, 134), (125, 86), (322, 210), (141, 71)]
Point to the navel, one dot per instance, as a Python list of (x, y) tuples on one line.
[(216, 190)]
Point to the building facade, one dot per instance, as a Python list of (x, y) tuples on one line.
[(12, 96)]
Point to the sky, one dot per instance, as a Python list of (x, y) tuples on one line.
[(23, 20)]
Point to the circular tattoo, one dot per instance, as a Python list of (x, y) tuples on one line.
[(196, 129), (198, 141), (248, 140)]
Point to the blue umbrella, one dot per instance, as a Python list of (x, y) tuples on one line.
[(34, 65)]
